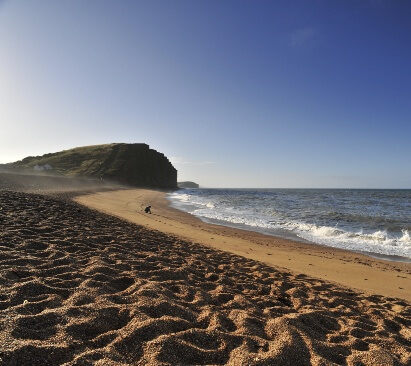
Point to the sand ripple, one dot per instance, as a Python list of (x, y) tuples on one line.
[(82, 288)]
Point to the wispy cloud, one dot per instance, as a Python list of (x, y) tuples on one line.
[(177, 160), (301, 36)]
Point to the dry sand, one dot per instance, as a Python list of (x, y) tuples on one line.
[(79, 287)]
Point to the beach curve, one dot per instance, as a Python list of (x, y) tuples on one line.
[(349, 269)]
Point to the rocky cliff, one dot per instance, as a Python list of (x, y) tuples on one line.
[(132, 164)]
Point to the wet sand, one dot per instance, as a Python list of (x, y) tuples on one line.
[(79, 287)]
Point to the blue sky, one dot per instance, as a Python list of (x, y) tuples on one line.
[(236, 93)]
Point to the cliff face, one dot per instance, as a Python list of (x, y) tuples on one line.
[(138, 165), (132, 164)]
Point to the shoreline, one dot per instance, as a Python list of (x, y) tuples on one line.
[(354, 270), (296, 239), (347, 228)]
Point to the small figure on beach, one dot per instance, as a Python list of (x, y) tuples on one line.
[(147, 209)]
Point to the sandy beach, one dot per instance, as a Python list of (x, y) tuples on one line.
[(108, 284), (353, 270)]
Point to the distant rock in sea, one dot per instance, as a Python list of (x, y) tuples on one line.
[(187, 185), (131, 164)]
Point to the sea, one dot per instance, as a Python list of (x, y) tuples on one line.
[(369, 221)]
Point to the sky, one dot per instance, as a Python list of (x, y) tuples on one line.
[(256, 94)]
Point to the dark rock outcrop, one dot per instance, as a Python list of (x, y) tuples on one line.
[(187, 185), (138, 165)]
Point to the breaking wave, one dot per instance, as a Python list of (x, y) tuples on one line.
[(342, 219)]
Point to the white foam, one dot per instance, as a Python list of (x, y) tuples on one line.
[(379, 242), (405, 237)]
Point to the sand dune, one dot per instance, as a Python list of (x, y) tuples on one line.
[(82, 288)]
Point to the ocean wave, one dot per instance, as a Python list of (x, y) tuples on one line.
[(353, 231), (185, 198), (379, 242)]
